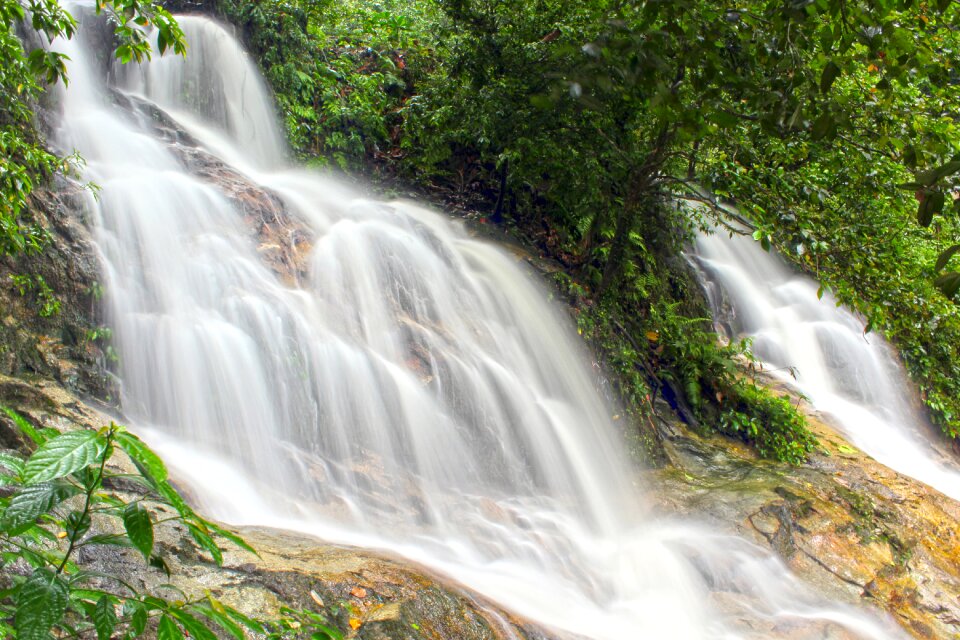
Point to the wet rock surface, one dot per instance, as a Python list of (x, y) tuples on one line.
[(370, 596), (852, 528), (59, 342), (282, 240)]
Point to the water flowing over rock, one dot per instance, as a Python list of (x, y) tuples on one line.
[(367, 373), (847, 524), (822, 350)]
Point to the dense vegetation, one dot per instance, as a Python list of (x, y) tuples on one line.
[(831, 123)]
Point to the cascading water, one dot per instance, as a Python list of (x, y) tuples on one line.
[(822, 350), (406, 387)]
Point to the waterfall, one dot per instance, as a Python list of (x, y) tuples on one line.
[(365, 371), (822, 350)]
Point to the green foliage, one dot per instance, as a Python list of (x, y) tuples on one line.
[(25, 73), (46, 301), (831, 123), (720, 391), (949, 282), (836, 212), (57, 502), (680, 358), (340, 71), (771, 424)]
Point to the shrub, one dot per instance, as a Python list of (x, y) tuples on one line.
[(55, 503)]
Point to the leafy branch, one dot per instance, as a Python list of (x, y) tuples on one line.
[(54, 502)]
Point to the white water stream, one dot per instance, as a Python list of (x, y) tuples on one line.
[(821, 349), (413, 390)]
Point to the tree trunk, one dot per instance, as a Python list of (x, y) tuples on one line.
[(640, 183), (618, 250), (497, 217)]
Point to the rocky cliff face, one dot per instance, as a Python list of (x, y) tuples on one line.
[(62, 346)]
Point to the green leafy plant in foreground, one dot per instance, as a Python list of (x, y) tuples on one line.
[(57, 501)]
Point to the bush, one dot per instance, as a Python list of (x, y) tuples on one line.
[(771, 424), (55, 503)]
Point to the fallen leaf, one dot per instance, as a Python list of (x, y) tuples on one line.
[(355, 623), (358, 592)]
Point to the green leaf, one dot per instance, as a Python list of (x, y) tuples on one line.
[(171, 497), (205, 541), (31, 502), (254, 625), (138, 619), (158, 562), (28, 430), (162, 41), (724, 119), (219, 617), (910, 186), (822, 127), (948, 283), (542, 102), (152, 603), (105, 617), (112, 539), (830, 73), (232, 537), (139, 526), (168, 629), (11, 462), (65, 454), (41, 603), (945, 258), (124, 53), (910, 156), (929, 178), (194, 627), (324, 632), (931, 204), (140, 452), (77, 524)]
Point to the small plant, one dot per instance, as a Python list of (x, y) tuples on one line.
[(95, 291), (47, 303), (56, 502), (771, 424), (681, 358), (102, 337)]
